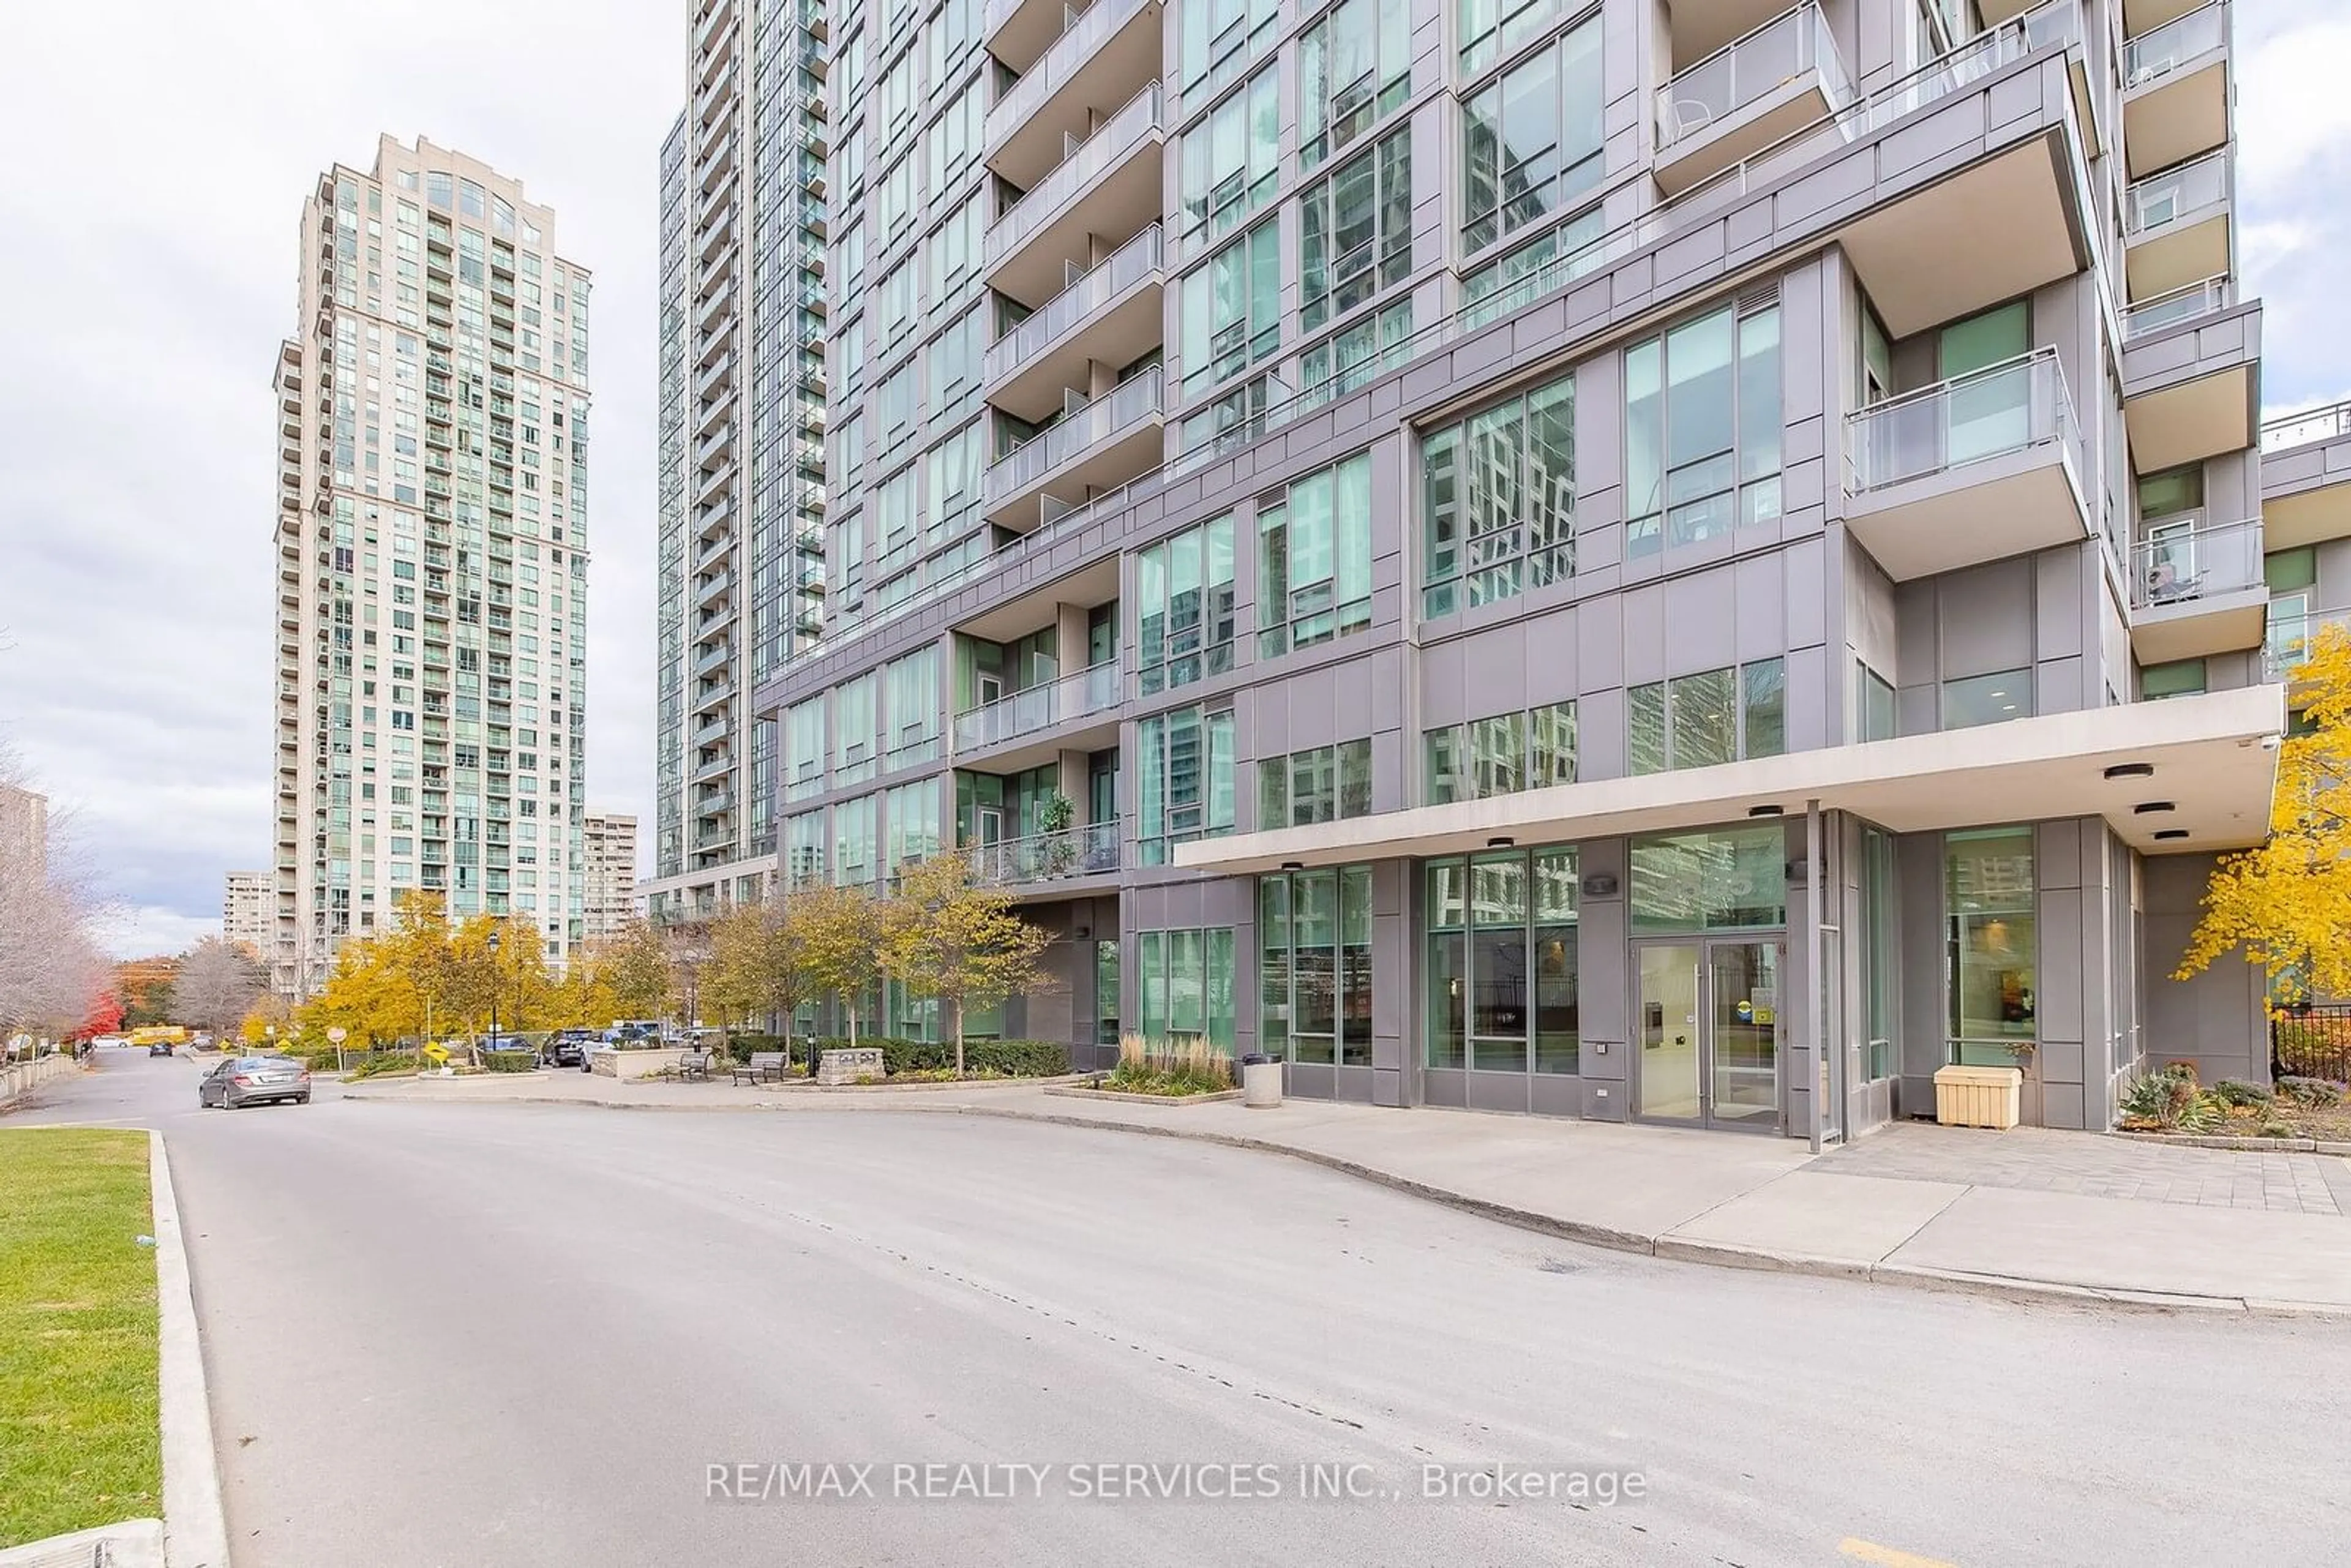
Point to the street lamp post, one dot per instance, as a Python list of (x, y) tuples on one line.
[(492, 942)]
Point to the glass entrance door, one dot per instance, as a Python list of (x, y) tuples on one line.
[(1708, 1025)]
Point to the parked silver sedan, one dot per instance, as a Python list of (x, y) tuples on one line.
[(241, 1081)]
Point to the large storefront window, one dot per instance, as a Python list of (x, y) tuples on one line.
[(1187, 984), (1503, 962), (1314, 972), (1722, 879), (1498, 501), (1993, 944)]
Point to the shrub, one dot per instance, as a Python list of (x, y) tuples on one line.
[(981, 1058), (742, 1046), (509, 1061), (386, 1061), (2313, 1094), (2165, 1101), (2181, 1069), (2237, 1093)]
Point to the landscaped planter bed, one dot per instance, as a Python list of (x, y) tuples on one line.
[(1071, 1091)]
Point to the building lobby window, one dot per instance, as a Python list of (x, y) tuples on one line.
[(1709, 718), (1186, 979), (1314, 971), (1993, 946), (1503, 962), (1987, 699)]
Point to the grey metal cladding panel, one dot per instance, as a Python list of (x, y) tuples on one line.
[(1600, 643), (1552, 665), (1644, 642), (2058, 628), (1388, 688), (1985, 617), (1351, 697), (2058, 988), (1312, 719), (1444, 691), (1812, 698), (2206, 348), (2061, 685), (1700, 628)]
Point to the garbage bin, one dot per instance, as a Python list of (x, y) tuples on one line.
[(1261, 1082)]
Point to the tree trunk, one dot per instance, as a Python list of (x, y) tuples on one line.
[(958, 1005)]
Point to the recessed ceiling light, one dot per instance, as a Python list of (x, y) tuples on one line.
[(1767, 811), (2167, 834), (2131, 770), (1502, 842), (2153, 808), (1294, 865)]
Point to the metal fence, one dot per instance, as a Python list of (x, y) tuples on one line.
[(2312, 1040)]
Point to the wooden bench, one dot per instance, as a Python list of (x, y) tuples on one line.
[(694, 1064), (765, 1067)]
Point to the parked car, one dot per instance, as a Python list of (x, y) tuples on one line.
[(160, 1048), (103, 1040), (241, 1080), (568, 1048)]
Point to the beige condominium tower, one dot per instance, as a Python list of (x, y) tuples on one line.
[(432, 547)]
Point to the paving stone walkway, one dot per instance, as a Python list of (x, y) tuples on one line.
[(2093, 1165)]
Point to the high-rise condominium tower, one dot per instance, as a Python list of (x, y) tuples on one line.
[(246, 897), (1697, 562), (432, 560), (611, 872), (742, 400)]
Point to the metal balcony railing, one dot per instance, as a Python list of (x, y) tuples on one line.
[(1039, 708), (2159, 53), (1060, 60), (2183, 559), (2161, 200), (1119, 136), (1131, 403), (2327, 424), (2008, 407), (2199, 299), (1087, 851), (1746, 69), (1133, 262)]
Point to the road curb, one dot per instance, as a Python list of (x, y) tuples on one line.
[(1667, 1247), (196, 1528)]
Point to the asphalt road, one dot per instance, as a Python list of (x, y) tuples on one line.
[(478, 1336)]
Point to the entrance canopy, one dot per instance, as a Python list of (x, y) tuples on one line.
[(2185, 775)]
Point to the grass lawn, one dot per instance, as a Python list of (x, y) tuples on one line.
[(78, 1444)]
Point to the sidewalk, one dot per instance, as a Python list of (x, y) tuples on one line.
[(2031, 1213)]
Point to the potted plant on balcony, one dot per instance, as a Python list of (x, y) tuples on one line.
[(1054, 814)]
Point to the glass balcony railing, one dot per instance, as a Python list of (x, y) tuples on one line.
[(1135, 260), (1119, 135), (1086, 850), (2155, 55), (1039, 708), (1746, 69), (2009, 407), (1134, 402), (2160, 200), (2329, 423), (2183, 559), (2199, 299), (2294, 632), (1054, 68)]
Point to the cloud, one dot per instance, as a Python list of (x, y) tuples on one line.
[(2293, 192), (153, 210), (145, 931)]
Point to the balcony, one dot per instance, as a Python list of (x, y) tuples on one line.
[(1110, 186), (1046, 705), (716, 659), (721, 373), (1977, 468), (2196, 589), (1091, 849), (716, 230), (2190, 392), (2175, 90), (2291, 634), (2176, 227), (1747, 95), (1097, 445), (1107, 53), (2165, 311), (713, 589), (1113, 314), (2307, 477), (714, 552), (713, 481), (718, 444)]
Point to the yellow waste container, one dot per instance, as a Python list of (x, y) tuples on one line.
[(1978, 1096)]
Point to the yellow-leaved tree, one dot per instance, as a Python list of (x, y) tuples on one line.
[(947, 937), (2287, 905)]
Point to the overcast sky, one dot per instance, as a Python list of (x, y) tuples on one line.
[(158, 155)]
